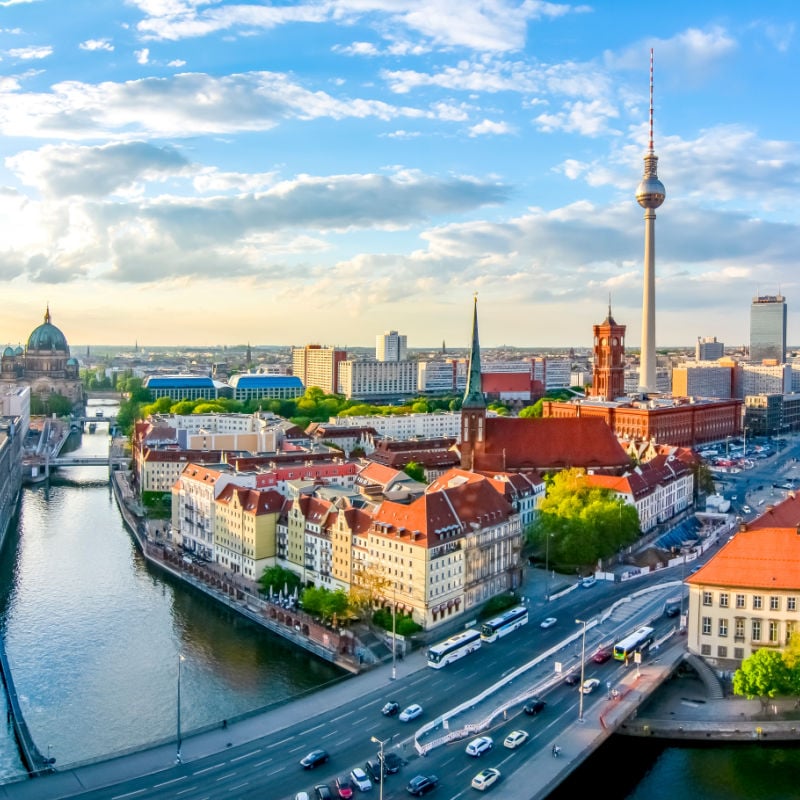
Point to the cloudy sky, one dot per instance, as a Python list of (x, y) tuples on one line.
[(208, 172)]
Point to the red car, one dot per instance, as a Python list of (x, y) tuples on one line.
[(344, 787), (602, 655)]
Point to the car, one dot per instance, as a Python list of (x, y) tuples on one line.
[(588, 582), (344, 787), (373, 769), (391, 762), (302, 796), (602, 655), (734, 497), (314, 759), (411, 712), (746, 509), (422, 784), (573, 679), (672, 611), (515, 739), (485, 778), (548, 623), (360, 779), (590, 685), (477, 747), (534, 706), (390, 709), (323, 792)]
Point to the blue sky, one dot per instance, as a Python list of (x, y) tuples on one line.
[(204, 172)]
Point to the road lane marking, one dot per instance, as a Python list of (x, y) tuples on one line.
[(238, 786), (225, 777), (208, 769), (129, 794), (174, 780), (246, 755)]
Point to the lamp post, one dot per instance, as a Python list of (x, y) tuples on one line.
[(380, 744), (583, 666), (178, 757), (394, 630)]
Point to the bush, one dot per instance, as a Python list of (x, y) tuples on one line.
[(404, 624), (497, 604)]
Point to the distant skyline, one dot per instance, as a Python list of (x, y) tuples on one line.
[(196, 172)]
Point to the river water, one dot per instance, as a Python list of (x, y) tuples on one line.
[(93, 634)]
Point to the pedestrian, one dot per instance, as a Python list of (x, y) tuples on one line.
[(224, 724)]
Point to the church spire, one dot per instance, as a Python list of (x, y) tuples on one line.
[(47, 315), (473, 396)]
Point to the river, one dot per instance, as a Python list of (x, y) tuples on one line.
[(94, 634)]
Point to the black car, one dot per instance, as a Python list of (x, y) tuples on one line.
[(391, 709), (534, 706), (373, 769), (391, 762), (323, 792), (314, 759), (573, 679), (422, 784)]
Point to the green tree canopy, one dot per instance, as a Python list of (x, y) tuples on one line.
[(274, 579), (764, 675), (415, 471), (584, 522)]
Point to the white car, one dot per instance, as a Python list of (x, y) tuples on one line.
[(477, 747), (590, 685), (360, 779), (485, 778), (412, 712), (548, 623), (515, 739)]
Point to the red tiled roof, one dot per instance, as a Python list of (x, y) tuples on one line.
[(496, 382), (785, 514), (768, 558), (551, 443)]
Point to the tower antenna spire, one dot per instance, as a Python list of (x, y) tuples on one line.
[(650, 148)]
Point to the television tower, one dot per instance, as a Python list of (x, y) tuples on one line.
[(650, 195)]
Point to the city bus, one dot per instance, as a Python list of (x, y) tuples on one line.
[(454, 648), (637, 642), (507, 622)]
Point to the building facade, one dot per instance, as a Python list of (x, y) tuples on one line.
[(708, 349), (608, 374), (768, 328), (391, 346), (377, 379), (318, 366)]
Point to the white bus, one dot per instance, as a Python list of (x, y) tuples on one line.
[(453, 648), (507, 622), (637, 642)]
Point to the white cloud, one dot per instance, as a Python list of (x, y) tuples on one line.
[(97, 44), (31, 53), (142, 56), (178, 62), (488, 127), (588, 119)]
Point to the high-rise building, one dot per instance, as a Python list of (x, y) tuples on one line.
[(318, 366), (650, 195), (768, 328), (708, 349), (391, 346)]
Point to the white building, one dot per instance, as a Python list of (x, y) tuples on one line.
[(377, 379), (766, 379), (441, 424), (391, 346), (552, 373), (436, 377)]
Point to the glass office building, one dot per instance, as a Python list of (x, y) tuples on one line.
[(768, 328)]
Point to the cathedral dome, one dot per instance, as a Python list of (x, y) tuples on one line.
[(8, 352), (47, 337)]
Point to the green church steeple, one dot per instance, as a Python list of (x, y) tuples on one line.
[(473, 396)]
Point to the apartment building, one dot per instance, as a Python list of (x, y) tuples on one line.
[(368, 380), (746, 597), (318, 366), (391, 346), (436, 425)]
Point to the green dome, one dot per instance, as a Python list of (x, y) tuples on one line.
[(9, 351), (47, 337), (18, 351)]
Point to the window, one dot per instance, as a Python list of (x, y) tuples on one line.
[(789, 631), (774, 603), (738, 653), (740, 601), (707, 598), (773, 630), (739, 629), (705, 650), (723, 599), (706, 626), (757, 601), (756, 631), (722, 651), (723, 627), (791, 604)]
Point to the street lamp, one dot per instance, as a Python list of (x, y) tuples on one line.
[(583, 667), (380, 744), (178, 757), (394, 630)]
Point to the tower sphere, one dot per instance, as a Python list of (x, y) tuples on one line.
[(651, 192)]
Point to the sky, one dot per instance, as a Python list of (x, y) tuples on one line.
[(198, 172)]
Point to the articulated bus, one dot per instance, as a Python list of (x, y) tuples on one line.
[(637, 642), (454, 648), (507, 622)]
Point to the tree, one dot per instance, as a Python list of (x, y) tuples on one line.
[(275, 578), (415, 471), (763, 675), (368, 588), (534, 411)]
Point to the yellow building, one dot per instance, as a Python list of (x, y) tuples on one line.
[(746, 597)]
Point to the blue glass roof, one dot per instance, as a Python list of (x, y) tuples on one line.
[(247, 381), (180, 381)]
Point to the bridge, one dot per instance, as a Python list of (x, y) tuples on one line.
[(115, 462)]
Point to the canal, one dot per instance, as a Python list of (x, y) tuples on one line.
[(94, 634)]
